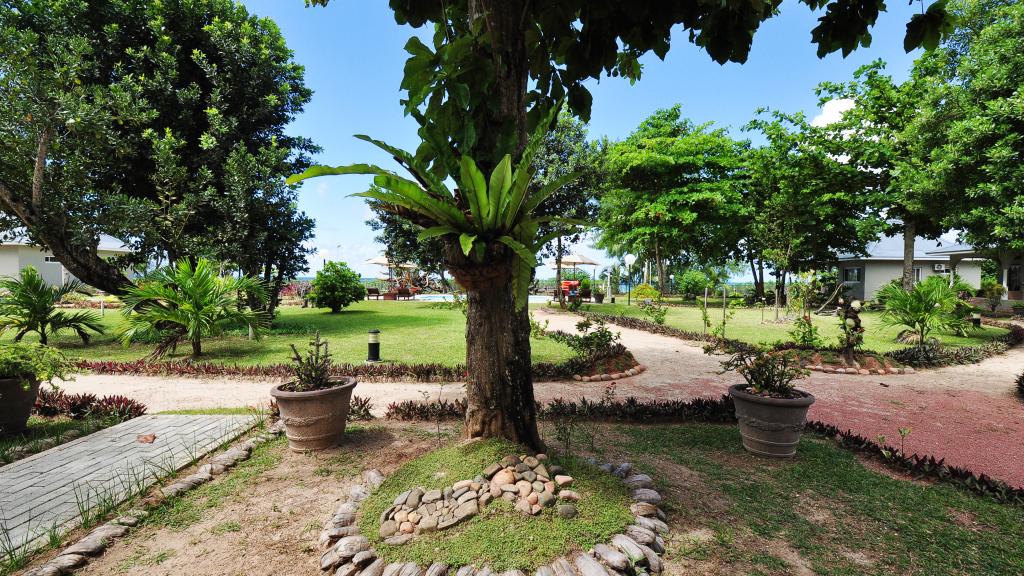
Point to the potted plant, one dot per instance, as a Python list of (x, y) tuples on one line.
[(314, 405), (22, 368), (770, 410), (598, 295)]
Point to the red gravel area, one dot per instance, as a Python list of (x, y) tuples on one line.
[(971, 429)]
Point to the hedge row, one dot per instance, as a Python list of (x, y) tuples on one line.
[(382, 372)]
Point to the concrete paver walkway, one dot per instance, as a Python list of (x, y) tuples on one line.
[(47, 489)]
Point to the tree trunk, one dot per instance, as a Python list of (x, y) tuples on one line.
[(660, 265), (909, 234), (499, 384), (50, 229), (558, 272), (197, 348)]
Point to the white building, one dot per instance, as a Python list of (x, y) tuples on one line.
[(865, 275), (16, 254)]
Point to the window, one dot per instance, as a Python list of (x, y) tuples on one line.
[(853, 274), (917, 274), (52, 260)]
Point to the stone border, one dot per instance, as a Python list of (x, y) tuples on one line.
[(99, 539), (348, 553), (861, 371), (634, 371)]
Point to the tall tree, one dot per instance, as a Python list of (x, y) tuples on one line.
[(120, 117), (972, 126), (495, 71), (804, 204), (674, 191), (565, 152), (873, 136)]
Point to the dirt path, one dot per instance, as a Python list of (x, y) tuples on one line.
[(966, 414)]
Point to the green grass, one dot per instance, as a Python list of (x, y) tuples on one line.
[(499, 536), (180, 513), (411, 333), (746, 325), (829, 508)]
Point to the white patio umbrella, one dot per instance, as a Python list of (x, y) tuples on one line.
[(383, 261)]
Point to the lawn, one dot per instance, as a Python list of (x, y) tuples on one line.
[(824, 510), (746, 325), (411, 333)]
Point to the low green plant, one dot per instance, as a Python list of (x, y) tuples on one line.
[(312, 371), (804, 333), (645, 292), (655, 311), (992, 291), (930, 306), (28, 362), (1020, 385), (335, 287), (593, 340), (29, 305), (187, 302), (771, 373)]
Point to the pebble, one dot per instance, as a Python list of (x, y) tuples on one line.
[(646, 495), (612, 557), (376, 568), (587, 566), (373, 478), (567, 511), (562, 480)]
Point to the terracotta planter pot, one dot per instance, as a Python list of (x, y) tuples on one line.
[(315, 420), (770, 426), (16, 404)]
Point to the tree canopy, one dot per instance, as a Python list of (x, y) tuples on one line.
[(674, 192), (160, 123)]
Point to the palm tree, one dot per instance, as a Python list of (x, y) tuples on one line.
[(29, 304), (186, 302), (929, 306)]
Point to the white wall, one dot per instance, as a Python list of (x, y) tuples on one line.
[(878, 273), (14, 258)]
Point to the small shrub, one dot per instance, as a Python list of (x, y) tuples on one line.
[(77, 406), (49, 402), (655, 311), (594, 340), (992, 291), (645, 292), (312, 372), (33, 361), (537, 329), (360, 409), (335, 287), (771, 373), (1020, 385), (804, 333), (117, 407)]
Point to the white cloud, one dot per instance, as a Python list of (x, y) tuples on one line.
[(832, 111)]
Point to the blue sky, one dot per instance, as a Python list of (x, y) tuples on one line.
[(353, 56)]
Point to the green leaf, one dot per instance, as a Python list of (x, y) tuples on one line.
[(466, 241), (524, 253), (317, 171), (475, 190), (501, 182), (435, 231)]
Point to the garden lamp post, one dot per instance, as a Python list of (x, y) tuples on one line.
[(373, 347), (629, 259)]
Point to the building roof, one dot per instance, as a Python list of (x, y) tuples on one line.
[(107, 243), (891, 248)]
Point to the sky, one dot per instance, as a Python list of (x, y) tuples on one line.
[(353, 55)]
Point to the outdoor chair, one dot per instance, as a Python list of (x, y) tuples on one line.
[(372, 293)]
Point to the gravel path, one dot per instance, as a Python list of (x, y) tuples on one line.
[(966, 414)]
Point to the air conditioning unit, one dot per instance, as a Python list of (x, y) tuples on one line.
[(939, 268)]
